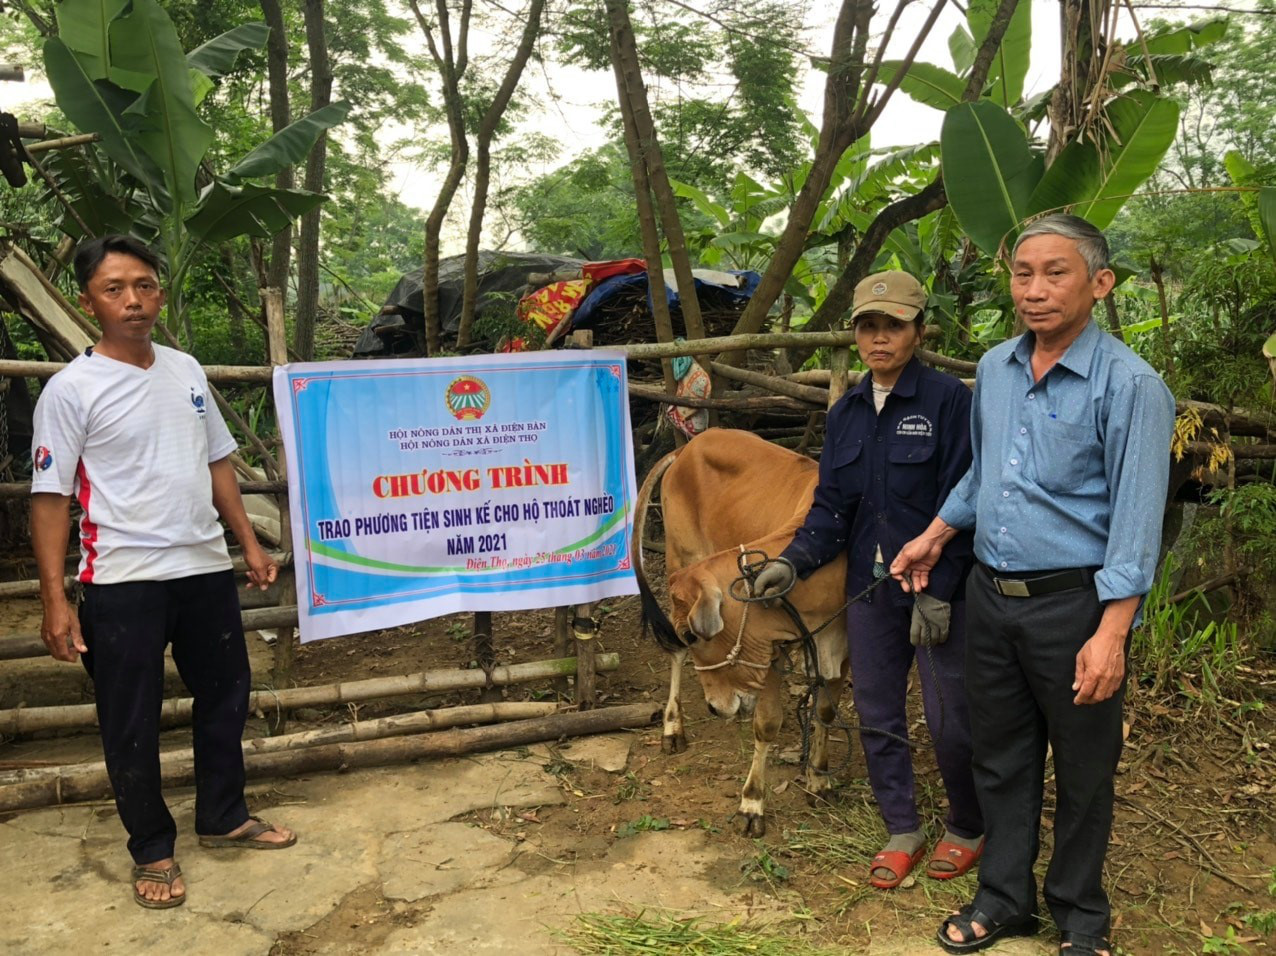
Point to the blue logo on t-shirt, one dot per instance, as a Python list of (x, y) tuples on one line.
[(198, 402), (42, 459)]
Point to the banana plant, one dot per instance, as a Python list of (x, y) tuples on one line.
[(117, 69)]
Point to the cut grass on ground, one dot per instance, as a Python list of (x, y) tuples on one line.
[(604, 934)]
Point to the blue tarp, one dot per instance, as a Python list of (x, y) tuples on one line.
[(708, 293)]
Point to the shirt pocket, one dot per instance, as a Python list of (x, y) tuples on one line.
[(910, 473), (1061, 454), (848, 469)]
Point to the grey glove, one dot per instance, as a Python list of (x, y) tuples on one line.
[(931, 618), (775, 579)]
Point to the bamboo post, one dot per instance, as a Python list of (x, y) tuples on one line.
[(398, 725), (562, 644), (585, 630), (484, 654), (277, 340), (352, 755), (177, 711), (838, 374)]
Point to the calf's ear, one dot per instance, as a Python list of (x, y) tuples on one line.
[(705, 616)]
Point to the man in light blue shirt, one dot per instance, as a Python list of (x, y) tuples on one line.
[(1071, 435)]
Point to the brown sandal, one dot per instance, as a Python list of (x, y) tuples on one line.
[(152, 875), (248, 839)]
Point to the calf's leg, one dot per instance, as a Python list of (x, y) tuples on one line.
[(674, 740), (767, 717)]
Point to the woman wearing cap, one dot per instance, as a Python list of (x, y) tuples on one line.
[(894, 446)]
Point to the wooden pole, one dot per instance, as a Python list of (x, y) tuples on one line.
[(397, 725), (177, 711), (562, 644), (839, 375), (30, 587), (485, 653), (254, 619), (277, 343), (772, 383), (349, 756)]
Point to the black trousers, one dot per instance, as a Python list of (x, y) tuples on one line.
[(1020, 666), (126, 628)]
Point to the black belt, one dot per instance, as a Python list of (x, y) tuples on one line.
[(1023, 584)]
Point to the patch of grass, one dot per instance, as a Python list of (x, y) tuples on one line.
[(841, 836), (602, 934), (644, 824), (764, 866)]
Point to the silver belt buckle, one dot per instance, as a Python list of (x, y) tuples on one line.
[(1011, 587)]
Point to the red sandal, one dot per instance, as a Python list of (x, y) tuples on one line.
[(960, 858), (899, 863)]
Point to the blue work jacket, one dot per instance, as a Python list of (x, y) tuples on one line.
[(883, 478)]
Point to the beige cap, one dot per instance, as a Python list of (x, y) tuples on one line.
[(894, 293)]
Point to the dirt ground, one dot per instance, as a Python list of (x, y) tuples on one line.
[(501, 853)]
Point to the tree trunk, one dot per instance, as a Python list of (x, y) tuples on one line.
[(280, 117), (452, 60), (633, 96), (1158, 279), (1084, 28), (840, 128), (482, 172), (929, 199), (308, 240), (646, 223)]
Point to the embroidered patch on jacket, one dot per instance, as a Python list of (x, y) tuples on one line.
[(918, 426)]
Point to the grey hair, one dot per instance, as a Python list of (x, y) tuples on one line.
[(1091, 243)]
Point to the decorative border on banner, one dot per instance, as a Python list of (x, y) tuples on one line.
[(319, 600)]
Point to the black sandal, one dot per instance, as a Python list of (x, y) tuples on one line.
[(1079, 944), (962, 921)]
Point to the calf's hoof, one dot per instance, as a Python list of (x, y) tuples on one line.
[(820, 795), (750, 824), (673, 743)]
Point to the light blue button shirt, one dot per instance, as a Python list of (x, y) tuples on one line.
[(1070, 471)]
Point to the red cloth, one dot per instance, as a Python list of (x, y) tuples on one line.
[(598, 271)]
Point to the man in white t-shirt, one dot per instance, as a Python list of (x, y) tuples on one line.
[(129, 430)]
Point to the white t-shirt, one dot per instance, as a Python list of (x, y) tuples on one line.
[(134, 445)]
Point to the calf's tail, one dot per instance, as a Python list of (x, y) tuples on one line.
[(653, 615)]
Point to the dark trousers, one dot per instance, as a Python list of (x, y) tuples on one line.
[(1020, 666), (126, 628), (881, 656)]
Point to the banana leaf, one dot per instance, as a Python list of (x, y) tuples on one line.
[(962, 48), (1171, 69), (1267, 215), (1010, 65), (83, 26), (217, 57), (1177, 39), (928, 84), (170, 132), (990, 172), (98, 107), (1096, 180), (227, 211), (289, 146)]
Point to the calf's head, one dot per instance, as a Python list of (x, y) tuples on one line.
[(709, 621)]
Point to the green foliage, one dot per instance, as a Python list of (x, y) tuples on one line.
[(706, 135), (128, 79), (644, 824), (990, 171), (1095, 177), (583, 209), (1178, 638)]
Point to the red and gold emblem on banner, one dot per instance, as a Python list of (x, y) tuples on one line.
[(468, 398)]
